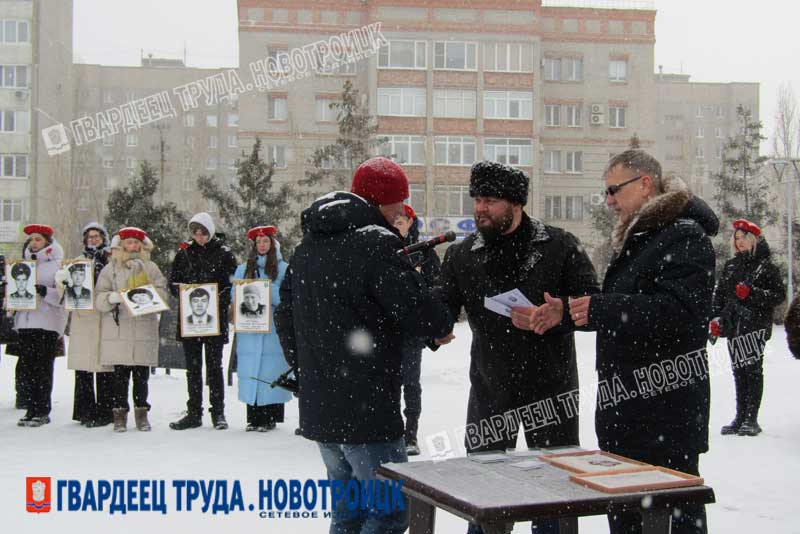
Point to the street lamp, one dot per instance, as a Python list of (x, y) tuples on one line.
[(780, 166)]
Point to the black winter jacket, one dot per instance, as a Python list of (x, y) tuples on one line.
[(426, 262), (651, 322), (347, 301), (737, 316), (513, 368), (212, 262)]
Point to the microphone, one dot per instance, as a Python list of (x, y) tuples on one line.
[(430, 243)]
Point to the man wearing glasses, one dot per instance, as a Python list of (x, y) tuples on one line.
[(653, 311)]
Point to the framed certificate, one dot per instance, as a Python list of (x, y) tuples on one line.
[(642, 479), (143, 300), (199, 310), (79, 291), (252, 306), (586, 462), (21, 285)]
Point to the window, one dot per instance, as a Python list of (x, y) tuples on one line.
[(573, 113), (453, 55), (109, 183), (232, 165), (574, 68), (188, 120), (233, 120), (617, 70), (281, 59), (188, 183), (108, 97), (552, 160), (454, 150), (11, 210), (405, 149), (701, 132), (718, 151), (132, 139), (552, 115), (699, 112), (507, 105), (574, 208), (233, 141), (452, 201), (575, 162), (507, 57), (13, 166), (552, 208), (340, 161), (616, 117), (275, 153), (402, 101), (456, 103), (108, 162), (211, 164), (720, 112), (108, 140), (211, 121), (276, 108), (330, 65), (403, 55), (508, 151), (416, 198), (324, 111), (14, 121), (130, 164), (190, 141), (552, 69), (212, 141), (14, 31), (699, 151), (718, 133), (13, 76)]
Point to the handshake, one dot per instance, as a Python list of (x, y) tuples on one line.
[(540, 319)]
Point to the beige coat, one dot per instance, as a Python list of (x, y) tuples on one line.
[(135, 340), (84, 340)]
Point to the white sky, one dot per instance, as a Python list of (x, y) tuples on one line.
[(713, 40)]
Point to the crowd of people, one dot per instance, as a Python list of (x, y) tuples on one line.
[(352, 316)]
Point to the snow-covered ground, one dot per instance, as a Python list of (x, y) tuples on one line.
[(756, 480)]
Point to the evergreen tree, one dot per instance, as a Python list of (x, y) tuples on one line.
[(334, 164), (255, 200), (740, 188), (135, 205)]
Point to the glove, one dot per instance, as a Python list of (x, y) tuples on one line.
[(41, 290), (114, 298), (742, 290), (62, 277), (715, 328)]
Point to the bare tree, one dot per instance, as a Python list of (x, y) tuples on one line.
[(786, 139)]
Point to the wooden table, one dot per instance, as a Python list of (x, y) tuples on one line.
[(497, 495)]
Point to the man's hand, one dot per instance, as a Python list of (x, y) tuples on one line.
[(62, 277), (539, 319), (579, 310), (445, 340)]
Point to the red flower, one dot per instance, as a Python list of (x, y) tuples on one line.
[(184, 246), (48, 251)]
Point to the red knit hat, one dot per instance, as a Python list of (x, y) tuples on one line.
[(132, 231), (380, 181), (261, 231), (410, 212), (43, 229), (747, 226)]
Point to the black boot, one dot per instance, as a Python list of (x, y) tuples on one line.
[(732, 428), (190, 420), (749, 427), (219, 421)]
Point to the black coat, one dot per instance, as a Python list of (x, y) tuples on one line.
[(212, 262), (513, 368), (651, 317), (426, 262), (739, 317), (347, 301)]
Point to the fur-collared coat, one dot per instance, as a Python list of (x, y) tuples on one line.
[(651, 321)]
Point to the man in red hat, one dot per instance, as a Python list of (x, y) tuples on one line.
[(347, 303)]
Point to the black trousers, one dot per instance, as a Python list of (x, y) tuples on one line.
[(748, 378), (689, 519), (193, 350), (122, 378), (412, 389), (36, 349), (262, 415), (89, 405)]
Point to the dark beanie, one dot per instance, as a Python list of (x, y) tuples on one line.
[(380, 181), (492, 179)]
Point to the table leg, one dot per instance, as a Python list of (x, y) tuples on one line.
[(568, 525), (656, 521), (421, 517)]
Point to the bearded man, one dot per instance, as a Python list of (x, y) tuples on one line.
[(523, 369)]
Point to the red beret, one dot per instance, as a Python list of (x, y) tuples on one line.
[(132, 231), (380, 181), (409, 212), (747, 226), (260, 231), (43, 229)]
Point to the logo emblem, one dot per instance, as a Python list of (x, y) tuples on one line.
[(55, 139), (37, 494)]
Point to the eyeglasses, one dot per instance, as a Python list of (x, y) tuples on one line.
[(612, 190)]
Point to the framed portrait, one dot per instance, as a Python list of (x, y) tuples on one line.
[(642, 479), (199, 310), (143, 300), (79, 291), (252, 306), (586, 462), (21, 285)]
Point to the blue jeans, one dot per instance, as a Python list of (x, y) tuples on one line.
[(359, 462)]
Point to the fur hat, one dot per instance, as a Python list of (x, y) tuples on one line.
[(492, 179), (380, 181)]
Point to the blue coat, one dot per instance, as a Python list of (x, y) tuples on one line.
[(261, 355)]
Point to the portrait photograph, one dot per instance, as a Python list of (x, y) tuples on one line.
[(252, 306), (143, 300), (21, 285), (199, 310), (79, 290)]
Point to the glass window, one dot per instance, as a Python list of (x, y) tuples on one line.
[(452, 201), (575, 162), (188, 120), (552, 208), (401, 101), (552, 115), (324, 111), (275, 153), (618, 70), (574, 208), (455, 103), (616, 117), (552, 160), (508, 57), (417, 199), (507, 105), (508, 151), (574, 69), (276, 108), (552, 69), (233, 141), (211, 121), (132, 139), (454, 150), (573, 113), (403, 55), (454, 55), (404, 149), (212, 141), (233, 120)]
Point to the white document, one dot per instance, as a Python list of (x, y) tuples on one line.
[(503, 302), (496, 307), (527, 465)]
